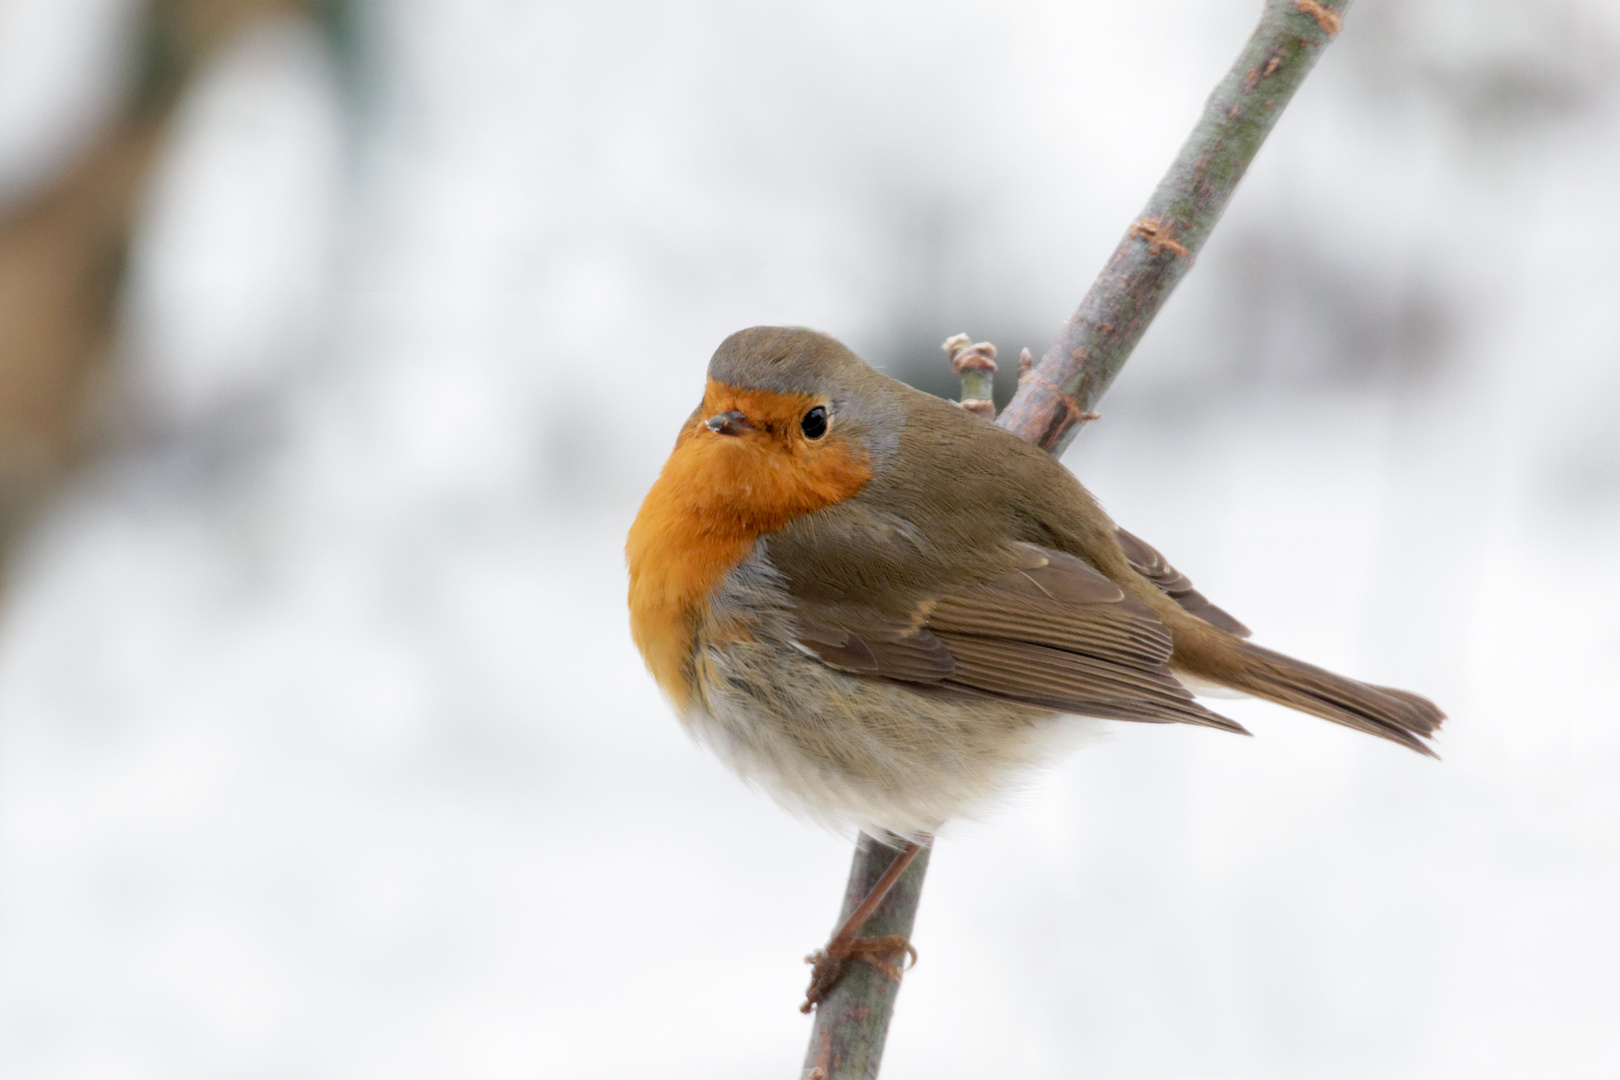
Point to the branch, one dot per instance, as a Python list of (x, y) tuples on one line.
[(852, 1022), (1057, 395), (1160, 246)]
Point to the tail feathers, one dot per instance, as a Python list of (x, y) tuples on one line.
[(1390, 714)]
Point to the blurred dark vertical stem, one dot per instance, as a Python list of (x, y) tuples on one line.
[(852, 1023), (62, 250)]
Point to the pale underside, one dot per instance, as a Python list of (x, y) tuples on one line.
[(902, 723)]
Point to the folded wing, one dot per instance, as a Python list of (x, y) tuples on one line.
[(1049, 631)]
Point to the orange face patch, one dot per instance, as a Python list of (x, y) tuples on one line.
[(716, 495)]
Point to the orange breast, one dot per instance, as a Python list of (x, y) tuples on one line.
[(716, 495)]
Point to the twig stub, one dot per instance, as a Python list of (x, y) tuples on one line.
[(966, 357), (1156, 232), (976, 364)]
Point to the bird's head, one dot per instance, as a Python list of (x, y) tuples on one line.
[(791, 422)]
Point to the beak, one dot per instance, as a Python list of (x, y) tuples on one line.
[(728, 423)]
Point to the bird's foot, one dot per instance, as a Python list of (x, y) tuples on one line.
[(827, 965)]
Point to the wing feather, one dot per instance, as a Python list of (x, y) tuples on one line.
[(1146, 560), (1069, 683), (1048, 631)]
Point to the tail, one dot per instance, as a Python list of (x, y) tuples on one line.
[(1390, 714)]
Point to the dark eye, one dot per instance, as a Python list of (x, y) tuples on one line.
[(814, 424)]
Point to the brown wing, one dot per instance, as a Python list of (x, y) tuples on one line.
[(1147, 561), (1050, 631), (866, 644)]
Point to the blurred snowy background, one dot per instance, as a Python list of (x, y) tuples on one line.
[(324, 751)]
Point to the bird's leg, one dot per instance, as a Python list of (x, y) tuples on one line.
[(827, 964)]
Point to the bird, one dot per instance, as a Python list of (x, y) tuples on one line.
[(886, 611)]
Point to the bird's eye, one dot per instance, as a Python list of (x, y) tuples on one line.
[(814, 424)]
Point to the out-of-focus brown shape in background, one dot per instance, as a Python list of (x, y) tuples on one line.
[(62, 250)]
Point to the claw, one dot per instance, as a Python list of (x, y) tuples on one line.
[(827, 966)]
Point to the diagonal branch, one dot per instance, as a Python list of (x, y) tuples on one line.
[(1159, 247), (1057, 395)]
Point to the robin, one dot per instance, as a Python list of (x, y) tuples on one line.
[(885, 610)]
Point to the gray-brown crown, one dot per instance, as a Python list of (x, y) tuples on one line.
[(787, 359)]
